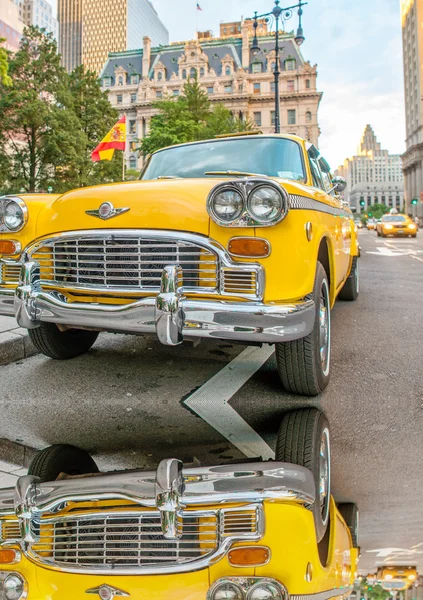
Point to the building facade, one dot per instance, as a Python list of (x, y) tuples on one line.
[(90, 29), (228, 73), (39, 13), (412, 41), (373, 175), (11, 26)]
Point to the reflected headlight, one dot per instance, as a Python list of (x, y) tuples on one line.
[(227, 205), (13, 214), (266, 204)]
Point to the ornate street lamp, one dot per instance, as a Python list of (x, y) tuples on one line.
[(283, 14)]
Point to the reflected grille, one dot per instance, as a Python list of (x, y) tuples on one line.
[(9, 274)]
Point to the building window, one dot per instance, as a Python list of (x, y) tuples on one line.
[(290, 85), (272, 117), (257, 118), (133, 98), (132, 162), (308, 84), (292, 116), (257, 67), (184, 74), (257, 88), (119, 98), (202, 72), (132, 126), (159, 94), (272, 87), (159, 76), (290, 64), (107, 81), (134, 79), (228, 89), (308, 116), (133, 146), (398, 201), (120, 80), (210, 90), (228, 70), (193, 72), (175, 92)]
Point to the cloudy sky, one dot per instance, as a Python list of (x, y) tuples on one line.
[(357, 47)]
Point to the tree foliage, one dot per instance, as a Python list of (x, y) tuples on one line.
[(376, 211), (4, 65), (188, 118)]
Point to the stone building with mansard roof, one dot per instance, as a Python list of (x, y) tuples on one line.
[(228, 72)]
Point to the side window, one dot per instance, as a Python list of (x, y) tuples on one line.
[(315, 172), (325, 171)]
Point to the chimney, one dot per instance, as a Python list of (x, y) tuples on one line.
[(245, 45), (146, 56)]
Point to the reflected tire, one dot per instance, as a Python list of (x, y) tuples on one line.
[(351, 288), (304, 364), (304, 439), (49, 463), (61, 345), (349, 512)]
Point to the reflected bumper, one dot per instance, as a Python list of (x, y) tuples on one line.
[(169, 315)]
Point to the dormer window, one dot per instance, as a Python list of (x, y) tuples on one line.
[(184, 74), (228, 70), (120, 80), (202, 72), (193, 73), (257, 67), (290, 64), (107, 81), (134, 79), (159, 76)]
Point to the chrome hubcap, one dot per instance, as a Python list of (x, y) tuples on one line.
[(357, 278), (324, 475), (324, 328)]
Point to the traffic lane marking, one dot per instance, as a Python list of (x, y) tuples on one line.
[(412, 254), (211, 402)]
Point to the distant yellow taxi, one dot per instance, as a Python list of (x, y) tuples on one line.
[(396, 578), (371, 224), (397, 225), (251, 531)]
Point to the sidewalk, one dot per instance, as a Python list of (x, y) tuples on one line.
[(14, 341), (14, 462)]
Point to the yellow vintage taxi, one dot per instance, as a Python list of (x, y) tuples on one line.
[(243, 238), (397, 225), (266, 530), (395, 578)]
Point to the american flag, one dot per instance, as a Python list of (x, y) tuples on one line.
[(199, 7)]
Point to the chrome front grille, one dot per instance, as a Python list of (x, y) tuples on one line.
[(124, 263), (134, 540), (9, 273)]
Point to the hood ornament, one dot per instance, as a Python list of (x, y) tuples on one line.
[(106, 211), (106, 592), (169, 490)]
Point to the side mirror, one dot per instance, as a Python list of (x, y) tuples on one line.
[(339, 184)]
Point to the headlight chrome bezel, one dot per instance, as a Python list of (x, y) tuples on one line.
[(4, 202), (247, 187), (247, 585)]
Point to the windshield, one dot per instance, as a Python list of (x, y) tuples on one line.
[(391, 218), (275, 157)]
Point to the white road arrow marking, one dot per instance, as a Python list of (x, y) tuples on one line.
[(383, 251), (210, 402)]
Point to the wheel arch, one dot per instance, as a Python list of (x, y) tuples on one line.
[(325, 255)]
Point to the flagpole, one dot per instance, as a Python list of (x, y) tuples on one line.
[(196, 21), (123, 165)]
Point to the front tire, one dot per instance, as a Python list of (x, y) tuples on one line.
[(61, 345), (304, 439), (351, 287), (304, 364), (49, 463)]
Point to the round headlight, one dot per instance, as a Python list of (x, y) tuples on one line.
[(266, 204), (265, 591), (13, 216), (227, 591), (13, 587), (227, 205)]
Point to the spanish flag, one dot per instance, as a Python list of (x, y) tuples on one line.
[(114, 140)]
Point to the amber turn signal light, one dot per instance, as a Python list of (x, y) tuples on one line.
[(8, 557), (8, 247), (249, 247), (249, 557)]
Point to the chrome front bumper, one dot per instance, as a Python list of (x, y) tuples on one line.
[(170, 315)]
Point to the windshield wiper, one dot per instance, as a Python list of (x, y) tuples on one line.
[(235, 173)]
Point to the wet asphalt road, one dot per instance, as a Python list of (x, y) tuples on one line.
[(122, 401)]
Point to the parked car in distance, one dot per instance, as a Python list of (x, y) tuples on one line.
[(251, 531), (200, 247), (396, 225), (371, 224)]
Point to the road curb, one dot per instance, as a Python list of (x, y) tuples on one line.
[(14, 461), (15, 345)]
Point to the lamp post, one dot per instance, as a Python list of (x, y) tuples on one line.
[(283, 14)]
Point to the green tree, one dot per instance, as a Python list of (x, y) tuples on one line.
[(4, 65), (39, 131), (376, 211), (132, 174), (189, 118)]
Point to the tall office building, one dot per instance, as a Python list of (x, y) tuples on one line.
[(39, 13), (412, 38), (90, 29), (11, 26)]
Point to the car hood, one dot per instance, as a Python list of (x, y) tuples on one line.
[(161, 204)]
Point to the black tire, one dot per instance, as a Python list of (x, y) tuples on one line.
[(299, 442), (349, 512), (47, 464), (60, 345), (299, 362), (378, 232), (351, 288)]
